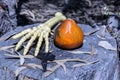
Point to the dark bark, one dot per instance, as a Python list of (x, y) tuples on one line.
[(7, 16)]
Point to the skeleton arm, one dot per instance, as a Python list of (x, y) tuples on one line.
[(41, 32)]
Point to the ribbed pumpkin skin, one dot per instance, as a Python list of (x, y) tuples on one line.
[(69, 35)]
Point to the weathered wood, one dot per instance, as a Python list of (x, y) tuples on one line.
[(105, 69)]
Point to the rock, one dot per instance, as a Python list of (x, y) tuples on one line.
[(104, 68)]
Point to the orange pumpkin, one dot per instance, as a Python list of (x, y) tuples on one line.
[(69, 35)]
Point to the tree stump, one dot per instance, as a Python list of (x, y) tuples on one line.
[(104, 66)]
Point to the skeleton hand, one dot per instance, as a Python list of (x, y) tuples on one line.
[(41, 32)]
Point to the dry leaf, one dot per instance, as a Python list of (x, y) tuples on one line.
[(16, 56), (6, 47), (22, 60), (91, 53), (52, 70), (28, 56), (63, 66), (9, 51), (79, 52), (22, 57), (106, 45), (101, 37), (9, 55), (34, 65), (83, 64), (17, 71), (91, 32), (103, 31), (62, 63), (85, 52), (79, 65)]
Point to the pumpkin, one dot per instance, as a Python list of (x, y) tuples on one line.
[(68, 35)]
